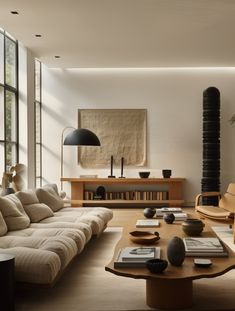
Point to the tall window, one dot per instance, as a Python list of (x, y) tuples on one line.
[(38, 123), (8, 101)]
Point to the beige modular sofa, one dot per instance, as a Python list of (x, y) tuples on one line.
[(44, 235)]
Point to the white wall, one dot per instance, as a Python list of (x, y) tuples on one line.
[(173, 99), (26, 113)]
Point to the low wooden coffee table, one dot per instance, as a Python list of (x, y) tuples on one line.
[(172, 289)]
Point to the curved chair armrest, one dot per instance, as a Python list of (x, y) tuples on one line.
[(206, 194)]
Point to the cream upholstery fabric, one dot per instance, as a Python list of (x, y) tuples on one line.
[(52, 240), (38, 211), (3, 226), (33, 208), (49, 196), (63, 246), (27, 197), (34, 265), (75, 234), (96, 217), (85, 228), (13, 212)]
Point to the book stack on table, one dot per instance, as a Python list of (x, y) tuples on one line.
[(204, 247), (135, 256), (177, 211)]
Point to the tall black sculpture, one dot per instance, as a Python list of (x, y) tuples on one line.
[(211, 144)]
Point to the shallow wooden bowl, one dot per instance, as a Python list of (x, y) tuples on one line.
[(144, 237)]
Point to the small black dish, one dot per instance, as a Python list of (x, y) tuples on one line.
[(156, 265), (144, 174)]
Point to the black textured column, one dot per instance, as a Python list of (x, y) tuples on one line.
[(211, 144), (7, 279)]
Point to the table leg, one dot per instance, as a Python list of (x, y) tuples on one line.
[(169, 294)]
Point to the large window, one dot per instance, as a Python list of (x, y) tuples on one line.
[(38, 122), (8, 101)]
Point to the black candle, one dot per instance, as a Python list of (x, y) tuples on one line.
[(122, 162), (111, 165)]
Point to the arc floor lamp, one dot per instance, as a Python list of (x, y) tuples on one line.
[(77, 137)]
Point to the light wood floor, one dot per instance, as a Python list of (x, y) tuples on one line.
[(121, 216)]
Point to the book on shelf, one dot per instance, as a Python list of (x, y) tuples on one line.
[(145, 223), (204, 246), (132, 262)]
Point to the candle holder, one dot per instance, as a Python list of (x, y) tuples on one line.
[(122, 165), (111, 168)]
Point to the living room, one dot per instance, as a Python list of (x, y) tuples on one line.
[(153, 55)]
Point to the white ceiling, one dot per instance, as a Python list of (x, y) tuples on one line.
[(124, 33)]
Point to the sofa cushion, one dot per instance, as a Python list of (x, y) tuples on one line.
[(3, 226), (49, 196), (35, 265), (13, 213), (38, 211), (27, 197)]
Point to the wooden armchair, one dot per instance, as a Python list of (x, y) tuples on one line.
[(225, 209)]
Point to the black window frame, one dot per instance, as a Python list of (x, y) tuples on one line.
[(14, 90)]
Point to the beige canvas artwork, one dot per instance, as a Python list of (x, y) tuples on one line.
[(122, 133)]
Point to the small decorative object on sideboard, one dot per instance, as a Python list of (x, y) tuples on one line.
[(149, 212), (176, 251), (122, 165), (193, 227), (144, 174), (111, 168), (156, 265), (166, 173), (100, 193), (169, 218)]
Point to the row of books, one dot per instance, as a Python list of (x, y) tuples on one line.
[(129, 195)]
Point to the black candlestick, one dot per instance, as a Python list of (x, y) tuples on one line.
[(122, 164), (111, 169)]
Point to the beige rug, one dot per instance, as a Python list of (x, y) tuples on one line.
[(87, 286)]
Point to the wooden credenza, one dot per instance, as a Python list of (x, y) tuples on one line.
[(173, 186)]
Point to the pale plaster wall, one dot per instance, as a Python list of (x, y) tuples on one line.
[(173, 99), (26, 112)]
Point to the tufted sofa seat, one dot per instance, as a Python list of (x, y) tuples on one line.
[(43, 235)]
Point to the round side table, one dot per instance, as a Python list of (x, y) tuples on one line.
[(7, 280)]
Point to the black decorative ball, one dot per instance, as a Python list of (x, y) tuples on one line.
[(169, 218)]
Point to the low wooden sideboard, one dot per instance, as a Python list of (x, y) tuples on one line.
[(173, 186)]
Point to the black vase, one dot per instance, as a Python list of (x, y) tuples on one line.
[(176, 251)]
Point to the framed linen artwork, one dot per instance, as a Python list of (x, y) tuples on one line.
[(122, 133)]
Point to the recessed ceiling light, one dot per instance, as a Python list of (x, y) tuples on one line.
[(38, 36), (57, 56), (14, 12)]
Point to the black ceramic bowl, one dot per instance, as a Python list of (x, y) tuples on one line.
[(156, 265), (193, 227), (144, 174)]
